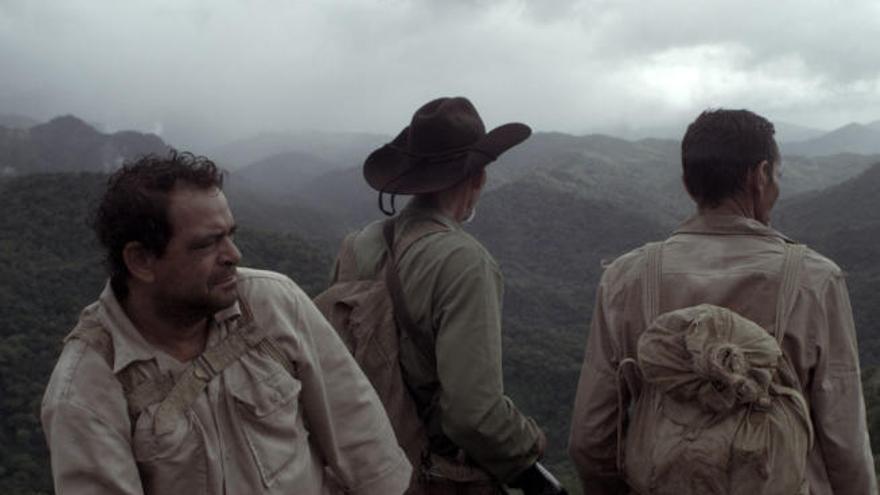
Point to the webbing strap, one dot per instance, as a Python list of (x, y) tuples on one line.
[(96, 338), (396, 249), (193, 381), (147, 393), (174, 398), (651, 281), (791, 271), (346, 261)]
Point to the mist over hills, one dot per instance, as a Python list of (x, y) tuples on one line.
[(67, 144), (555, 207), (851, 138), (343, 149), (17, 121)]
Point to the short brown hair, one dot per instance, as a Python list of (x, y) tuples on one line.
[(718, 150)]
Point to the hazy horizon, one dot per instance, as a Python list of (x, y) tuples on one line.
[(206, 73)]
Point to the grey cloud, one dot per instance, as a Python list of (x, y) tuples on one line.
[(210, 72)]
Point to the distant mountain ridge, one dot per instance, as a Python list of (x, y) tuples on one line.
[(68, 144), (851, 138), (17, 121)]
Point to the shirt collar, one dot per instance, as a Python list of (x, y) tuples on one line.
[(714, 224), (415, 210), (128, 343)]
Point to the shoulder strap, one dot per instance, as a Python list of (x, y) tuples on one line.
[(175, 397), (261, 339), (396, 250), (651, 281), (97, 338), (791, 271), (346, 260)]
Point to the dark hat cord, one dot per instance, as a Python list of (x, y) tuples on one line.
[(392, 211), (388, 184)]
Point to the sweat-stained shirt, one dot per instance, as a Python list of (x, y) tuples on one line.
[(734, 262), (254, 429), (453, 290)]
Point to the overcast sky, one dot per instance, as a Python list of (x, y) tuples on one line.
[(205, 72)]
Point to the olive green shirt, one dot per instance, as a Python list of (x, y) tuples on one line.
[(453, 290)]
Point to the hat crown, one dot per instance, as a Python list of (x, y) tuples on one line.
[(445, 124)]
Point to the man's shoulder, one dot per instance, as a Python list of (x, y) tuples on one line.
[(83, 378), (257, 286), (625, 267), (819, 268), (454, 242), (250, 279)]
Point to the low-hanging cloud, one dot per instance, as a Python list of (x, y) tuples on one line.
[(210, 71)]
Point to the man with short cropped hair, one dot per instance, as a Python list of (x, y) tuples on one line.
[(727, 255), (192, 375)]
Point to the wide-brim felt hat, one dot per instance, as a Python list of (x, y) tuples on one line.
[(445, 143)]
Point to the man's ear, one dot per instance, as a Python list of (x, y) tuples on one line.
[(479, 180), (140, 261), (763, 175)]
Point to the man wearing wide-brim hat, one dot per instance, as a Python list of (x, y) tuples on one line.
[(448, 298)]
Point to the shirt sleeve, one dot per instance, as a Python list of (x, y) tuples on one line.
[(836, 400), (343, 413), (474, 412), (89, 454), (593, 436)]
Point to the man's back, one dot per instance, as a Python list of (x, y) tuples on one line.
[(734, 262), (453, 290)]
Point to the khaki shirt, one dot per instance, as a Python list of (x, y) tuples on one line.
[(254, 429), (453, 290), (734, 262)]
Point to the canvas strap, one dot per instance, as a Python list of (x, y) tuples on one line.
[(176, 396), (791, 269), (791, 272), (346, 261), (396, 250), (651, 281)]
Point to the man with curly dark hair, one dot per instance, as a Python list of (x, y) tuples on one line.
[(192, 375)]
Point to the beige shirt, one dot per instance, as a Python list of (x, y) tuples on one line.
[(254, 429), (453, 290), (734, 262)]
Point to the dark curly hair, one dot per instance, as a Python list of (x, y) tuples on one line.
[(134, 208), (719, 149)]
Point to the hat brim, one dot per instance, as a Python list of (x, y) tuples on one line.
[(392, 170)]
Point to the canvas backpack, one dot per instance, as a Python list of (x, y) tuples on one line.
[(367, 314), (372, 319), (144, 385), (716, 405)]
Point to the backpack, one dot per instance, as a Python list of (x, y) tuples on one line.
[(717, 407), (369, 315)]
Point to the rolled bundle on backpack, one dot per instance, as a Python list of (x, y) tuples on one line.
[(711, 356)]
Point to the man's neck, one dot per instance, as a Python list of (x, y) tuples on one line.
[(180, 336), (732, 206)]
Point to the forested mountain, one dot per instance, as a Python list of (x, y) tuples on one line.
[(843, 223), (50, 268), (67, 144), (555, 208), (851, 138)]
